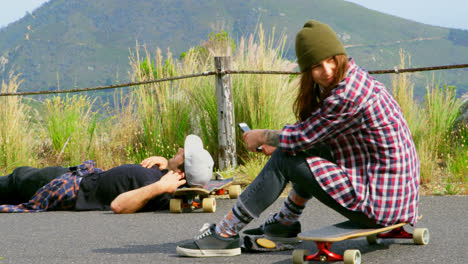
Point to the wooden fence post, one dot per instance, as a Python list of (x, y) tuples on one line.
[(226, 120)]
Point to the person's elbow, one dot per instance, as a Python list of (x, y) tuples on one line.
[(116, 207)]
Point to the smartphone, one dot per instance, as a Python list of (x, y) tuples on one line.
[(244, 127)]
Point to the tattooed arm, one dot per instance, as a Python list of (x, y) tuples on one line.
[(272, 141), (268, 139), (271, 137)]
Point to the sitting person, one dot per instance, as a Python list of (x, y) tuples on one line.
[(124, 189), (351, 149)]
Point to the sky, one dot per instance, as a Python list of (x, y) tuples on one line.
[(12, 10), (446, 13)]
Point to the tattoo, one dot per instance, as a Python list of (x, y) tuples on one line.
[(272, 137)]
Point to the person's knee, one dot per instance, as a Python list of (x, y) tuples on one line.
[(279, 157), (303, 190)]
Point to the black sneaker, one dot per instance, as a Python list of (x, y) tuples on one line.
[(276, 231), (209, 244)]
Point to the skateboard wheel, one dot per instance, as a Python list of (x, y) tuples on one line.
[(421, 236), (299, 255), (234, 191), (373, 240), (352, 256), (209, 205), (175, 205)]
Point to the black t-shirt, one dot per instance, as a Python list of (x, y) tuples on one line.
[(98, 190)]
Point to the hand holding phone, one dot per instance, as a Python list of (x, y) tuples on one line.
[(244, 127)]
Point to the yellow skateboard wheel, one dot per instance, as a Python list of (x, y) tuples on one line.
[(266, 243)]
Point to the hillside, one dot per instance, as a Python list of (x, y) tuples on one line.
[(85, 43)]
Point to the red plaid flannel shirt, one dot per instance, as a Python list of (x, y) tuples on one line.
[(377, 167)]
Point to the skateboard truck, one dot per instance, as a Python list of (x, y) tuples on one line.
[(324, 238), (221, 192), (188, 199), (192, 204), (399, 232), (324, 252)]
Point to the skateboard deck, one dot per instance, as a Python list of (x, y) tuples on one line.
[(326, 236), (187, 199)]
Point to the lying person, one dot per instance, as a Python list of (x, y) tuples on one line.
[(127, 188)]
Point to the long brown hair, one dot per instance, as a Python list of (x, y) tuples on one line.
[(310, 96)]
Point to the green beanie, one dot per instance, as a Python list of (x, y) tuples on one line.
[(315, 42)]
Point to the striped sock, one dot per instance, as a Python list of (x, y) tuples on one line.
[(233, 222), (292, 208)]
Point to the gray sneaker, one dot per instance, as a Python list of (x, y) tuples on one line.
[(209, 244), (276, 231)]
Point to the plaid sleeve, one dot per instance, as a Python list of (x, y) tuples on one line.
[(335, 117)]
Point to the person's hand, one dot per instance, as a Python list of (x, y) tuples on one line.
[(172, 180), (253, 139), (268, 150), (150, 162)]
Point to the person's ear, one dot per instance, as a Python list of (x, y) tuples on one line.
[(181, 167)]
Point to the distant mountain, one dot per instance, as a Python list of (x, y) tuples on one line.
[(85, 43)]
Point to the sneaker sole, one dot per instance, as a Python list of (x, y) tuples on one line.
[(200, 253)]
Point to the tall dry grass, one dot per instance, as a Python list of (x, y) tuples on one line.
[(16, 135), (117, 133), (431, 123), (164, 109)]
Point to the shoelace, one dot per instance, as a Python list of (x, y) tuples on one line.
[(271, 219), (206, 231)]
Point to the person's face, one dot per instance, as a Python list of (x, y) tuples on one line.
[(176, 162), (323, 73)]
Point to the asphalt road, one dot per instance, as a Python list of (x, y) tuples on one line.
[(103, 237)]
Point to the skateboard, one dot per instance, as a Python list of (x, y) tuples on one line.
[(325, 237), (187, 199)]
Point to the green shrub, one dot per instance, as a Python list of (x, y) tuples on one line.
[(70, 124)]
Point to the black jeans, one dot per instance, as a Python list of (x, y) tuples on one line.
[(23, 182), (282, 168)]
